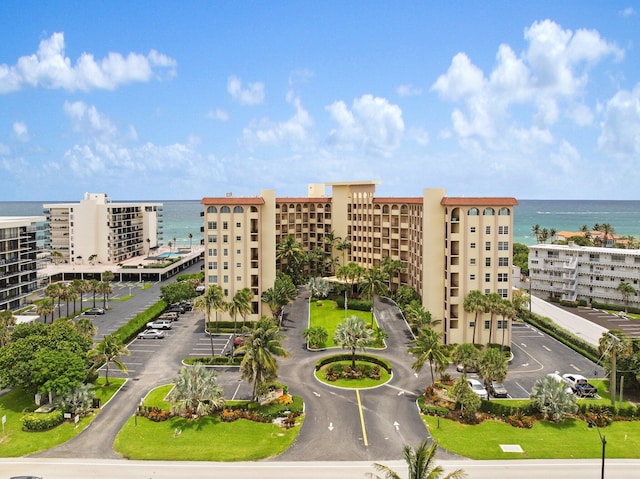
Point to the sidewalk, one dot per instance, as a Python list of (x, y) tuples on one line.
[(581, 327)]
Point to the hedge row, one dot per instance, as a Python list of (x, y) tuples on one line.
[(139, 322), (356, 304), (359, 357)]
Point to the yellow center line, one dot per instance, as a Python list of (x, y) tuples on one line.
[(364, 429)]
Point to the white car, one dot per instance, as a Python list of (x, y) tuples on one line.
[(478, 388), (160, 324), (151, 334)]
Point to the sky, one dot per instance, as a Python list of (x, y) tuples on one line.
[(153, 100)]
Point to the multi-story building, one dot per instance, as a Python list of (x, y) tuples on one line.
[(18, 259), (105, 231), (575, 273), (449, 246)]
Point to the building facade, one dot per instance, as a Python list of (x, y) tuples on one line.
[(591, 274), (105, 231), (19, 252), (449, 246)]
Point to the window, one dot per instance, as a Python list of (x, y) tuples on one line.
[(238, 209), (225, 279), (488, 212), (472, 277), (503, 277), (238, 251), (487, 246), (213, 251), (225, 252), (503, 230), (226, 292), (472, 245), (225, 225), (487, 291), (503, 246), (503, 261), (473, 212), (487, 277), (213, 238), (225, 209), (238, 224), (487, 230), (503, 292), (212, 209), (487, 324), (473, 229), (238, 278), (212, 265), (213, 278), (225, 265), (225, 238), (503, 324), (238, 265), (487, 261), (212, 225), (472, 261), (238, 238)]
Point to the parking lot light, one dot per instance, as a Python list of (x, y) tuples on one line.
[(603, 440)]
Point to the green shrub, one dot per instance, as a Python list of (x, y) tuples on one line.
[(359, 357), (35, 421), (355, 304)]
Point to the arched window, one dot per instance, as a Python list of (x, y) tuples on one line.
[(254, 209), (212, 209), (225, 209), (385, 209), (404, 210), (473, 212), (504, 212), (489, 212), (455, 214), (238, 209)]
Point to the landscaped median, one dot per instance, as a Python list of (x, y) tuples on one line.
[(370, 371), (242, 431)]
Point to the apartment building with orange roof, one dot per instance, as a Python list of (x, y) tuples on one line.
[(450, 246)]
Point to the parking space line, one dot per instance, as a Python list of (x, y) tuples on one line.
[(364, 429)]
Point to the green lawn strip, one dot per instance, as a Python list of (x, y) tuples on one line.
[(157, 397), (571, 439), (104, 393), (16, 442), (328, 315), (385, 376)]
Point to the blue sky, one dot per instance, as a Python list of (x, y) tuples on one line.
[(181, 100)]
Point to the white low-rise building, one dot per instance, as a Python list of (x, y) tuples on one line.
[(592, 274)]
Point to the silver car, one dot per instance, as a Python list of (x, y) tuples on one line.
[(151, 334)]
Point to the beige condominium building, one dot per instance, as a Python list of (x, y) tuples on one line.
[(449, 246), (97, 229), (19, 251)]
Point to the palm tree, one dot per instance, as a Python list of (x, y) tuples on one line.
[(105, 290), (475, 302), (148, 247), (418, 317), (281, 294), (536, 230), (108, 351), (190, 240), (493, 306), (175, 243), (54, 291), (552, 399), (85, 327), (492, 366), (508, 312), (428, 347), (344, 246), (391, 268), (291, 255), (626, 290), (72, 295), (373, 284), (196, 392), (420, 464), (94, 286), (353, 333), (261, 349), (108, 276), (466, 355), (45, 308), (80, 286), (240, 305), (211, 299)]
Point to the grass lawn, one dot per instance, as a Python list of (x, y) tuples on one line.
[(16, 442), (571, 439), (328, 315), (204, 439), (363, 383)]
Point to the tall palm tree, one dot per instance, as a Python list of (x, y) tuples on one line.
[(261, 349), (105, 289), (108, 276), (281, 294), (418, 317), (420, 464), (493, 306), (85, 327), (373, 284), (54, 291), (474, 302), (428, 347), (353, 333), (536, 230), (391, 268), (508, 312), (291, 255), (45, 308), (344, 246), (94, 286), (196, 392), (108, 351), (240, 304), (213, 298), (80, 285), (626, 290)]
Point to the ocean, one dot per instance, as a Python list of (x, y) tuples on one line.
[(183, 217)]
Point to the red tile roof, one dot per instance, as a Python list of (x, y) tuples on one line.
[(411, 201), (230, 200), (471, 201)]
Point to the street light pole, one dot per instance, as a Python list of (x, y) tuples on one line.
[(603, 440)]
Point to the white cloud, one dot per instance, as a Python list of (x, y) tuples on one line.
[(218, 114), (88, 119), (252, 95), (373, 124), (566, 159), (462, 79), (627, 12), (408, 90), (620, 130), (20, 131), (50, 68), (4, 150)]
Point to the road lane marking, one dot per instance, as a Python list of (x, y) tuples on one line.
[(364, 429), (575, 367), (544, 347)]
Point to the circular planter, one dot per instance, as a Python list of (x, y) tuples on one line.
[(354, 383)]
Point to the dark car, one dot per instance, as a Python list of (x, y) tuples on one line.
[(175, 308), (94, 311), (498, 390)]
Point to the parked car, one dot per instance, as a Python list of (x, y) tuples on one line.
[(173, 316), (561, 380), (187, 305), (94, 311), (201, 288), (498, 390), (175, 308), (580, 385), (478, 388), (469, 368), (160, 324), (151, 334)]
